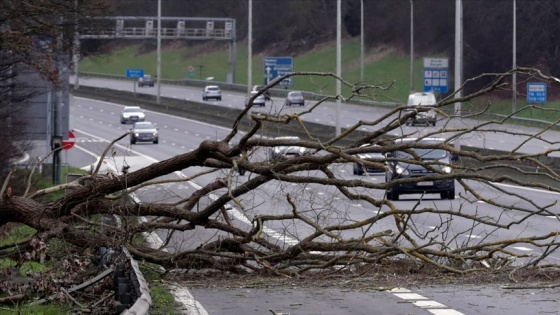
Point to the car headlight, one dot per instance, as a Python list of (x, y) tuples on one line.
[(401, 170), (136, 134), (447, 169), (155, 133)]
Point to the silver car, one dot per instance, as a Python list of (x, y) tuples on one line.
[(132, 114), (146, 80), (212, 91), (286, 152), (295, 98), (259, 100), (360, 169)]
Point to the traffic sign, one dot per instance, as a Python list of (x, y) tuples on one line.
[(69, 143), (275, 67), (436, 75), (536, 92), (134, 73)]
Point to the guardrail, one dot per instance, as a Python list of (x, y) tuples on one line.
[(131, 289), (241, 88), (312, 96)]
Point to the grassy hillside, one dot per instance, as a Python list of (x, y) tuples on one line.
[(382, 67)]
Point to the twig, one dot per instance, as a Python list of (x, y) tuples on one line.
[(98, 166), (71, 298)]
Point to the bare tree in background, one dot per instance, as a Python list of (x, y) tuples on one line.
[(32, 35)]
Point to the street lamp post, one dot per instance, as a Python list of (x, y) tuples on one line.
[(362, 40), (411, 46), (458, 53), (514, 77), (338, 66), (158, 74)]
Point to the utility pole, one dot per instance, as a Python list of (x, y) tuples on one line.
[(514, 77), (338, 66), (411, 46), (158, 53)]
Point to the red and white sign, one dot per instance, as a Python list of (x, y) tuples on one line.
[(69, 143)]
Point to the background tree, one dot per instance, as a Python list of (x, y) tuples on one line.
[(32, 35)]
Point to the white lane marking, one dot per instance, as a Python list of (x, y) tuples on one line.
[(410, 296), (423, 302), (428, 304), (181, 295), (445, 311)]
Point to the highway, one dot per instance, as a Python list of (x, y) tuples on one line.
[(502, 137), (96, 124)]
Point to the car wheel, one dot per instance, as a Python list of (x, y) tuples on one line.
[(450, 194), (434, 123), (392, 196), (219, 98), (132, 141), (204, 98), (358, 170), (156, 141), (301, 104)]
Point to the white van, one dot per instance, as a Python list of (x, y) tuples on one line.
[(425, 115)]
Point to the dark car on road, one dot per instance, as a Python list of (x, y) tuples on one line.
[(146, 80), (295, 98), (144, 132), (429, 162)]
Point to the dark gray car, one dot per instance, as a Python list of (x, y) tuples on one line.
[(439, 162), (144, 132), (146, 80)]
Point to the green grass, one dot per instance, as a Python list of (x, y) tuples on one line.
[(392, 69), (385, 68)]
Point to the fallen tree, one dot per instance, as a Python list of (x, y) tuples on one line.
[(323, 232)]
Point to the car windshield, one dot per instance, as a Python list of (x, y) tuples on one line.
[(132, 110), (147, 77), (144, 125), (421, 99), (425, 154)]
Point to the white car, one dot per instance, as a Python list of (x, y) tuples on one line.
[(212, 91), (132, 114), (259, 100), (425, 113)]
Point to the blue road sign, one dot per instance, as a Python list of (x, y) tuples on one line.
[(436, 80), (276, 67), (536, 92), (134, 73)]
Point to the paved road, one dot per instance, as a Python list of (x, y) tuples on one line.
[(296, 300)]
